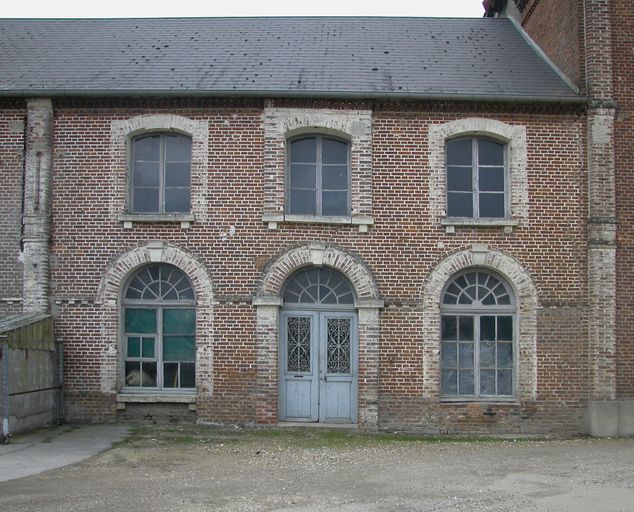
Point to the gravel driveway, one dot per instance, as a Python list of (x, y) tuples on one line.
[(200, 469)]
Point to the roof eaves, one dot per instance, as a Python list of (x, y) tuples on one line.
[(367, 95)]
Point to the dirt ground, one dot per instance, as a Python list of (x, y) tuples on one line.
[(230, 470)]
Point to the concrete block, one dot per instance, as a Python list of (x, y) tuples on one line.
[(604, 418), (626, 417)]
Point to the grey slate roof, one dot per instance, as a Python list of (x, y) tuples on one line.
[(310, 57)]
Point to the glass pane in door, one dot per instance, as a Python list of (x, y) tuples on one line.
[(338, 347)]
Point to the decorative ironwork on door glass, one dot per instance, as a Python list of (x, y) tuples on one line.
[(338, 345), (298, 334)]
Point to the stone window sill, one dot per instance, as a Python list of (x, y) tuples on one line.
[(124, 398), (129, 219), (451, 223), (510, 400), (355, 220)]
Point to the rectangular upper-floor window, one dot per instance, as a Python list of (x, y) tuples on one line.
[(318, 177), (477, 183), (160, 180)]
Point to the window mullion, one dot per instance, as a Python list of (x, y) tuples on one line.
[(476, 355), (162, 175), (159, 348), (318, 177)]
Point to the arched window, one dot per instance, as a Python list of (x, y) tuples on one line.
[(160, 178), (477, 337), (318, 286), (318, 176), (477, 181), (159, 329)]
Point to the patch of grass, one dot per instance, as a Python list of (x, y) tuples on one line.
[(293, 437)]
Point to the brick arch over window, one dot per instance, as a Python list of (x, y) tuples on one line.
[(527, 305), (122, 131), (110, 298), (512, 135), (268, 301)]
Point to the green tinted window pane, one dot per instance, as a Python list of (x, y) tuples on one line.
[(140, 320), (170, 375), (179, 348), (179, 321), (148, 347), (134, 347), (188, 375)]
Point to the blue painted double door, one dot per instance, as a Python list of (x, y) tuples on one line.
[(318, 366)]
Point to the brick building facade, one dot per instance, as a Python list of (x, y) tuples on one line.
[(441, 307)]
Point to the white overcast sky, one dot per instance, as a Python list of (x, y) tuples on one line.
[(158, 8)]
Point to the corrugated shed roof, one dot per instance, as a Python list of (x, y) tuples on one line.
[(344, 57)]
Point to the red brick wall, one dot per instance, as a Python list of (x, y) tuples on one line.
[(622, 30), (557, 27), (400, 249), (12, 116)]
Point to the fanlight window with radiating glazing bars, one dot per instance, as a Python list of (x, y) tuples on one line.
[(320, 286), (159, 329)]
